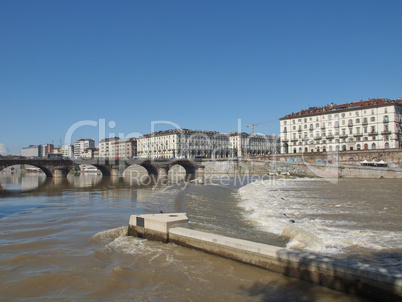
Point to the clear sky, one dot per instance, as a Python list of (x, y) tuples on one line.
[(198, 64)]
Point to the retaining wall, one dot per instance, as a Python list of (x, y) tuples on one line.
[(355, 278)]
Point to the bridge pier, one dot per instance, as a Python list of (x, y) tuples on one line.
[(59, 172), (163, 174)]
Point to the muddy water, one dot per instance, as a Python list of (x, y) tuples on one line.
[(64, 239)]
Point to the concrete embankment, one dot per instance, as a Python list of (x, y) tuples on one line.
[(355, 278), (330, 168)]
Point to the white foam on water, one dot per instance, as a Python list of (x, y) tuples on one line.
[(283, 208)]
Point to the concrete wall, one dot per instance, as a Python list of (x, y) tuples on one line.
[(329, 165), (374, 283)]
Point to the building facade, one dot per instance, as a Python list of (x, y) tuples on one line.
[(363, 125), (81, 145), (116, 147), (185, 143), (67, 151), (32, 151), (46, 149), (90, 153)]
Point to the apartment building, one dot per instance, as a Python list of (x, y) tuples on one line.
[(32, 151), (90, 153), (46, 149), (67, 151), (363, 125), (118, 147), (178, 143), (81, 145)]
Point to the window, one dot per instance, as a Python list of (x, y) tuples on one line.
[(372, 119), (343, 114), (357, 121), (373, 146), (317, 125)]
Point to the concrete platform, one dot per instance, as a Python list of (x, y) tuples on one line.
[(355, 278), (155, 226)]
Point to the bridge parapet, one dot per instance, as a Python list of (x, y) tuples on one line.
[(115, 167)]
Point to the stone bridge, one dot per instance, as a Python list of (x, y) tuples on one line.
[(156, 169)]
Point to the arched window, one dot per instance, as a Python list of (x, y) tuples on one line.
[(358, 147), (337, 148), (365, 147), (373, 146), (386, 145), (330, 148), (344, 148)]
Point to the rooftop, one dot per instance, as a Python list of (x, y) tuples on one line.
[(344, 107)]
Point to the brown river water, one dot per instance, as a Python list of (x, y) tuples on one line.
[(65, 239)]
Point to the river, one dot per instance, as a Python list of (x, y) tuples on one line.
[(65, 239)]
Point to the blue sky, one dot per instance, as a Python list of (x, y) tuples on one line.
[(198, 64)]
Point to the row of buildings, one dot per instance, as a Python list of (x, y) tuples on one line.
[(81, 148), (363, 125), (176, 143)]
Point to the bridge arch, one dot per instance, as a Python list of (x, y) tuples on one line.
[(45, 170)]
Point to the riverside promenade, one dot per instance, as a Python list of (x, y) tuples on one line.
[(350, 277)]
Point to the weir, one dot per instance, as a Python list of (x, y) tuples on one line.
[(351, 277)]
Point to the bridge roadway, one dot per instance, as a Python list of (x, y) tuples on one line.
[(156, 168)]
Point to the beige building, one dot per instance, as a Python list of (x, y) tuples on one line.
[(67, 151), (116, 147), (185, 143), (364, 125), (81, 145), (90, 153)]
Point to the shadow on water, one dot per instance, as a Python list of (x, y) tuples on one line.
[(9, 210)]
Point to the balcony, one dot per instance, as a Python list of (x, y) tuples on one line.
[(385, 121), (386, 132), (317, 137), (358, 134), (343, 135), (373, 133), (330, 136)]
